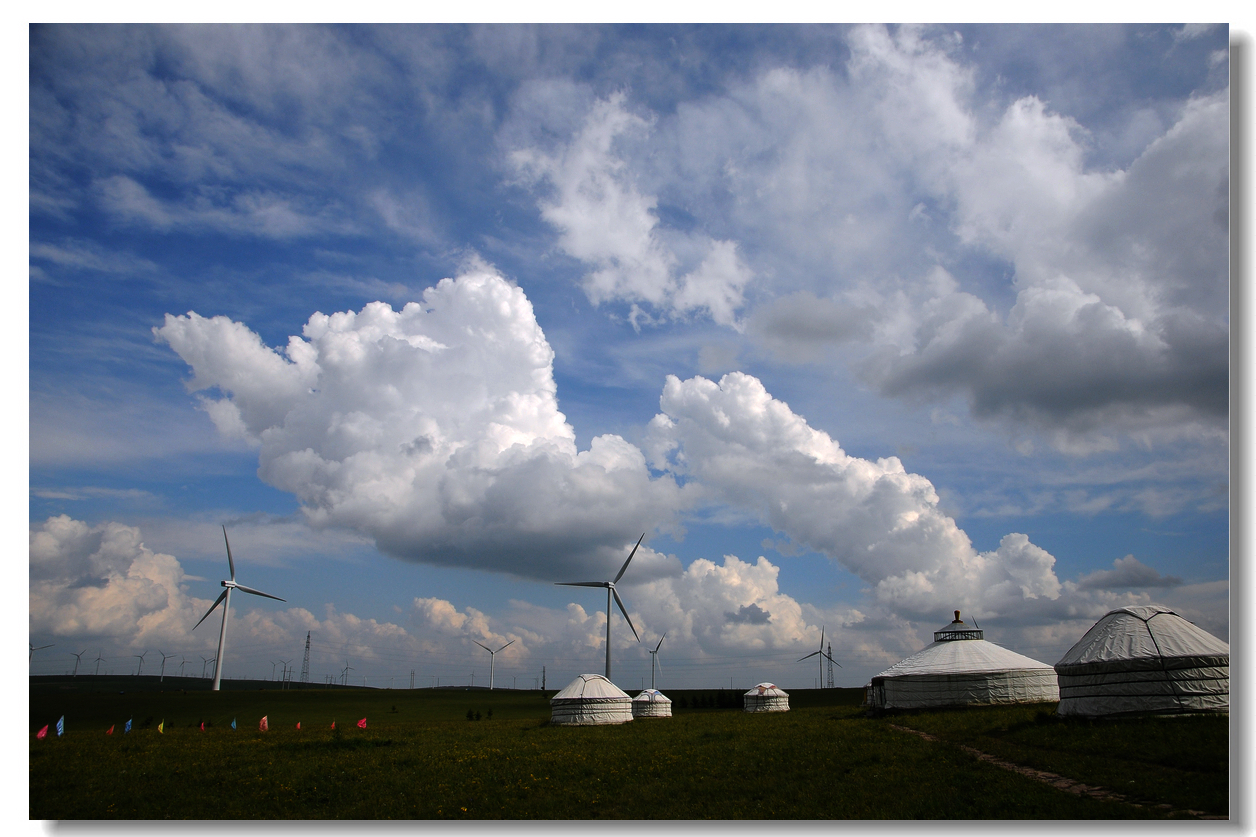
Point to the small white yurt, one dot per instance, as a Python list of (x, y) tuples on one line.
[(960, 668), (766, 697), (590, 699), (1144, 660), (651, 704)]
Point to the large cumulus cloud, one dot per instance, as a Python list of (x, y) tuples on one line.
[(752, 452), (434, 429)]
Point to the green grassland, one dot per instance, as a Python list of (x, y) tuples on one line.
[(420, 757)]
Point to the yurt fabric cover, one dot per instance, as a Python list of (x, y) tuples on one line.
[(651, 704), (590, 699), (1144, 660), (766, 697), (960, 668)]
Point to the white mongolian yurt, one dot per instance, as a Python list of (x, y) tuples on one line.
[(960, 668), (1144, 660), (590, 699), (766, 697), (651, 703)]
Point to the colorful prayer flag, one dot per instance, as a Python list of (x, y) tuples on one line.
[(298, 724), (233, 726), (110, 730), (61, 726), (263, 726), (362, 724), (127, 728), (43, 733), (162, 726)]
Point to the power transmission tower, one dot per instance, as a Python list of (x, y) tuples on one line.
[(830, 665), (305, 666)]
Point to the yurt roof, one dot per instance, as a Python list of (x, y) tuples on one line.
[(652, 696), (590, 687), (1143, 632), (767, 689), (959, 649)]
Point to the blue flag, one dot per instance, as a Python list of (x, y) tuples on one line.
[(233, 726), (61, 726), (127, 728)]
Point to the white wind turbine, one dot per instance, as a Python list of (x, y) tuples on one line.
[(823, 657), (610, 591), (141, 659), (164, 657), (654, 657), (35, 648), (225, 601), (78, 658), (492, 656)]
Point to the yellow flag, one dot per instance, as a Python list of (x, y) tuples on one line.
[(161, 726)]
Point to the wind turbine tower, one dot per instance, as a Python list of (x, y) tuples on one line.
[(141, 657), (823, 657), (225, 601), (654, 656), (611, 592), (99, 660), (492, 657), (78, 658), (164, 657), (830, 665)]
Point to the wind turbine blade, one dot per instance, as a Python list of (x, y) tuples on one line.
[(833, 661), (258, 592), (583, 583), (485, 647), (507, 645), (660, 645), (624, 610), (629, 561), (211, 609), (809, 656), (230, 563), (822, 639)]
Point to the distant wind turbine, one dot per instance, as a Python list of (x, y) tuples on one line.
[(492, 655), (823, 656), (141, 659), (99, 660), (654, 657), (348, 668), (225, 601), (77, 659), (35, 648), (610, 591), (205, 661), (164, 657)]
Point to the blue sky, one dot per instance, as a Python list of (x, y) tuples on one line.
[(859, 325)]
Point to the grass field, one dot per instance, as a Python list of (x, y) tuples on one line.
[(420, 757)]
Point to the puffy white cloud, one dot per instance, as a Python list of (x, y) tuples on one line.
[(434, 429), (605, 221), (1126, 573), (751, 452)]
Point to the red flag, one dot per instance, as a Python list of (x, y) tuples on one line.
[(110, 730), (43, 733), (333, 724), (362, 724), (263, 726), (298, 724), (202, 726)]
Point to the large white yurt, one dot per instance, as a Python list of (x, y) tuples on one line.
[(651, 703), (590, 699), (960, 668), (766, 697), (1144, 660)]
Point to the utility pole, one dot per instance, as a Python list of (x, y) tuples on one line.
[(305, 666)]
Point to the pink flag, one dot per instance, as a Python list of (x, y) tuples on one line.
[(43, 733), (202, 726), (263, 726), (298, 724), (110, 730), (362, 724), (333, 724)]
